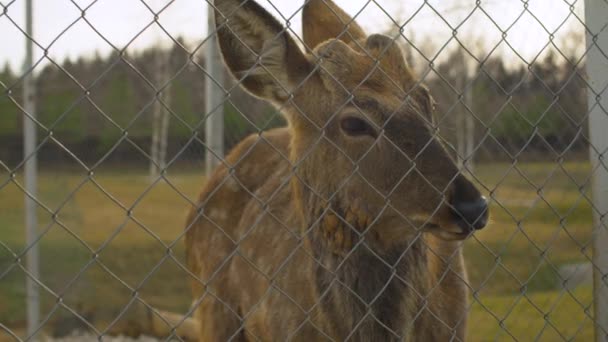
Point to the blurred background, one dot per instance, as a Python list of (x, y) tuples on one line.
[(117, 88)]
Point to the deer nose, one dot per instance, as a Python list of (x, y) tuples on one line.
[(471, 215)]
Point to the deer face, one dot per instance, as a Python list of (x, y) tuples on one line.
[(363, 138)]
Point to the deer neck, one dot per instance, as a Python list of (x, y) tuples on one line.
[(356, 274)]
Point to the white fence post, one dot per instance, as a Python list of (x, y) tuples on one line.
[(596, 17), (157, 111), (30, 180), (469, 125), (160, 116), (214, 97)]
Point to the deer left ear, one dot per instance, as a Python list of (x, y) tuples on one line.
[(258, 50), (323, 20)]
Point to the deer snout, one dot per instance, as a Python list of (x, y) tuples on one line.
[(469, 208), (471, 214)]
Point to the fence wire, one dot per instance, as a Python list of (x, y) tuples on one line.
[(362, 166)]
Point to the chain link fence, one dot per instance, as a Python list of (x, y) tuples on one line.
[(407, 123)]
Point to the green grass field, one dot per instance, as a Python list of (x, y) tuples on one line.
[(114, 234)]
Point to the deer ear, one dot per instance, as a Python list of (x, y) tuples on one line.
[(323, 20), (258, 50)]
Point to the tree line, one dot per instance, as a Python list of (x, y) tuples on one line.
[(101, 106)]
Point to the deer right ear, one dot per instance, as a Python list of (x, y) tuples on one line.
[(258, 50)]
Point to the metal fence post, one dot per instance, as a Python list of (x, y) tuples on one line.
[(30, 175), (214, 108), (596, 17)]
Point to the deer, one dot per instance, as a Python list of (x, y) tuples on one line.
[(348, 222)]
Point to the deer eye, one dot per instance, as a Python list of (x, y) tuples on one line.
[(355, 127)]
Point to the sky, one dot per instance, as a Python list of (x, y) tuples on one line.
[(61, 29)]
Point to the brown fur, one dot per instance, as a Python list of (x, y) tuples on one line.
[(308, 234)]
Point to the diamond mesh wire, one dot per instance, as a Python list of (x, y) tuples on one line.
[(120, 253)]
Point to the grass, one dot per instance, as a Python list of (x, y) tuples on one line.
[(541, 220), (112, 237), (113, 231), (545, 316)]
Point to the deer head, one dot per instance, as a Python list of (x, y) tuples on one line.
[(363, 136)]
